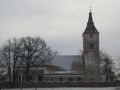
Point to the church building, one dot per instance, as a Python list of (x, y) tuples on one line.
[(84, 67)]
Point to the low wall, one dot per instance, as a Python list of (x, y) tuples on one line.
[(58, 84)]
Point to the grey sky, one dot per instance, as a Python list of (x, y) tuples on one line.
[(61, 22)]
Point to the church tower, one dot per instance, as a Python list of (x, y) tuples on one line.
[(91, 50)]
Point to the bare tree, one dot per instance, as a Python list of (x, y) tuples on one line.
[(25, 51), (107, 65), (36, 52), (11, 58), (6, 57), (17, 58)]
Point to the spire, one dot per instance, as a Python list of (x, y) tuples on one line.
[(90, 25), (90, 20)]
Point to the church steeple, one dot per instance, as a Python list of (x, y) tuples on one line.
[(90, 25), (90, 20), (91, 50), (90, 37)]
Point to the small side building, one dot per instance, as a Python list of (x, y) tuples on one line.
[(36, 73)]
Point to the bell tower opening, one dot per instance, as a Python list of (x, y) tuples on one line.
[(91, 46)]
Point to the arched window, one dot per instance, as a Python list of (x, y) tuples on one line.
[(51, 79), (70, 79), (61, 79), (79, 79), (19, 78), (92, 79), (40, 77), (91, 35), (91, 46), (30, 78)]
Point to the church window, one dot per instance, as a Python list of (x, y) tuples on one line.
[(61, 79), (92, 72), (30, 77), (91, 46), (40, 77), (70, 79), (19, 78), (91, 35), (79, 79), (92, 79), (51, 79)]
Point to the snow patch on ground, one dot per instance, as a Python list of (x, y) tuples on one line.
[(112, 88)]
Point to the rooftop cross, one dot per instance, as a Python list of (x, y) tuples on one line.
[(90, 9)]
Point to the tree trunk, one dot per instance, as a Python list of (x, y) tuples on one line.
[(14, 76), (27, 72), (9, 74)]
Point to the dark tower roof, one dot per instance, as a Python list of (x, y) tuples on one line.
[(90, 26)]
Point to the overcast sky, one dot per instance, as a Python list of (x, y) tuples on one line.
[(61, 22)]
